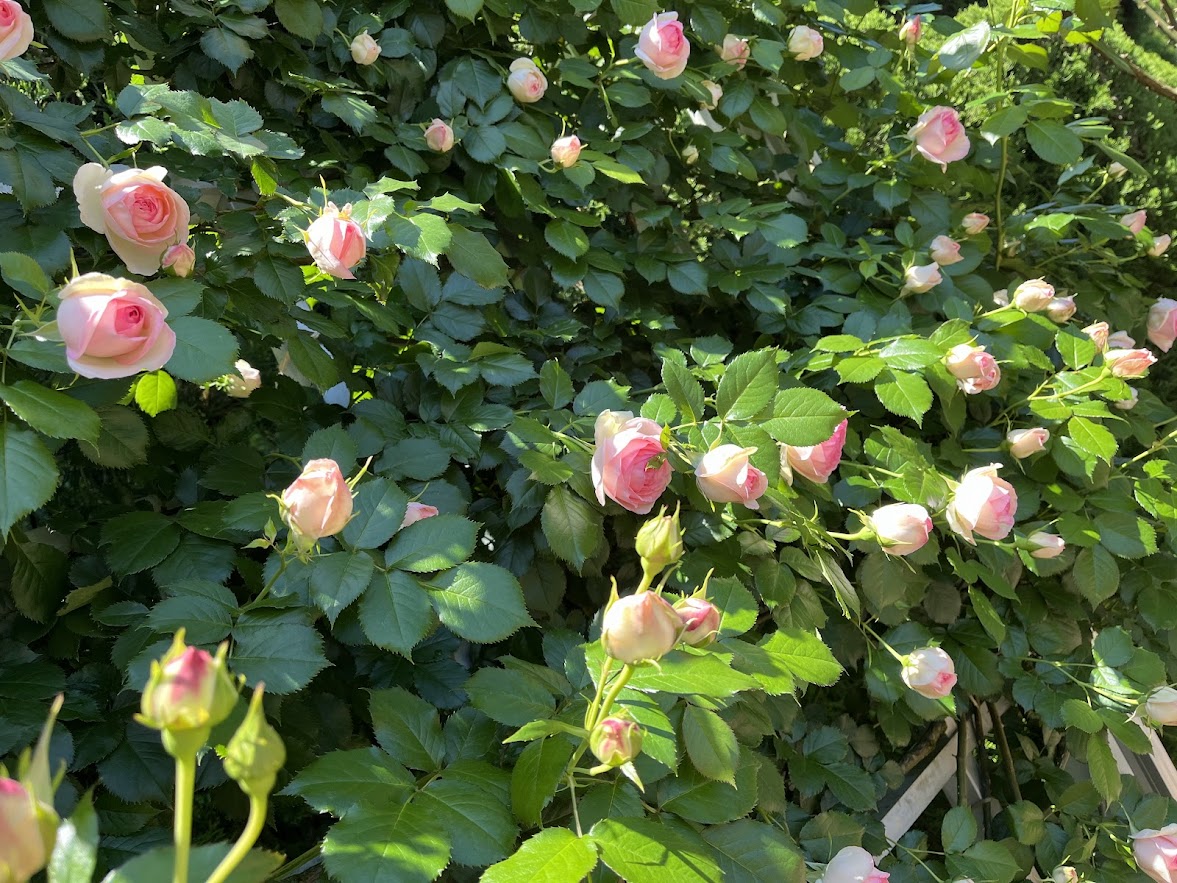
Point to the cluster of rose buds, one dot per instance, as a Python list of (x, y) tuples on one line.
[(645, 626)]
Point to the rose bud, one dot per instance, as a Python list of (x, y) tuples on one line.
[(180, 259), (113, 327), (1129, 364), (364, 49), (700, 620), (616, 740), (974, 223), (1026, 442), (255, 753), (945, 251), (1135, 221), (1162, 323), (974, 369), (659, 542), (1121, 340), (140, 215), (189, 689), (22, 844), (930, 672), (1161, 706), (566, 151), (735, 51), (940, 137), (1013, 245), (439, 136), (336, 242), (1033, 295), (1061, 309), (1160, 245), (690, 154), (1117, 170), (245, 381), (415, 512), (662, 48), (1098, 334), (318, 504), (1046, 545), (1064, 874), (910, 31), (1129, 403), (817, 462), (1001, 297), (716, 91), (724, 475), (853, 864), (16, 30), (983, 503), (805, 43), (526, 81), (629, 464), (918, 279), (639, 627), (900, 528), (1156, 852)]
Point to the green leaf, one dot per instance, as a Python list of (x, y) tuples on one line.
[(25, 275), (566, 238), (276, 277), (537, 774), (573, 528), (466, 9), (157, 864), (338, 579), (911, 354), (355, 112), (1125, 535), (204, 609), (1082, 716), (634, 12), (987, 614), (379, 508), (959, 829), (50, 412), (279, 648), (1096, 574), (28, 475), (710, 744), (303, 18), (230, 49), (155, 392), (139, 540), (75, 852), (987, 861), (555, 385), (473, 813), (681, 673), (122, 441), (473, 256), (204, 350), (81, 20), (386, 845), (803, 417), (641, 851), (1105, 775), (509, 697), (752, 852), (407, 727), (1005, 122), (343, 780), (683, 388), (1077, 350), (749, 384), (395, 613), (1092, 437), (485, 144), (907, 395), (961, 50), (315, 365), (432, 544), (480, 602), (1054, 142), (39, 578), (851, 784), (554, 855)]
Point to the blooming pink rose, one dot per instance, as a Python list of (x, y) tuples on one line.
[(22, 848), (140, 215), (439, 136), (700, 620), (1098, 332), (724, 475), (853, 864), (1161, 706), (662, 47), (974, 369), (1129, 364), (805, 43), (817, 462), (566, 151), (1160, 245), (930, 672), (113, 327), (244, 382), (974, 223), (181, 259), (901, 528), (1047, 545), (1135, 221), (317, 504), (983, 503), (910, 31), (1162, 323), (629, 464), (945, 251), (918, 279), (526, 81), (940, 136), (1129, 403), (16, 30), (638, 627), (735, 51), (415, 512), (1061, 309), (336, 242), (364, 49), (1156, 852), (1025, 442), (1033, 295), (1120, 340)]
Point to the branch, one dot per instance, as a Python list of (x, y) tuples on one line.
[(1124, 63), (1169, 28), (1169, 12)]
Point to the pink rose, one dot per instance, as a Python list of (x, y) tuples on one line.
[(901, 528), (244, 382), (1025, 442), (364, 49), (639, 627), (16, 30), (974, 369), (700, 620), (930, 672), (1064, 874), (724, 475), (629, 464), (909, 33), (1156, 852), (1162, 323), (415, 512), (336, 242), (1129, 364), (140, 215), (716, 91), (526, 81), (1098, 333), (983, 503), (945, 251), (817, 462), (113, 327), (1160, 245), (566, 151), (22, 847), (181, 259), (439, 136), (940, 136), (317, 504), (1161, 706), (1129, 403), (1120, 340), (616, 741), (974, 223), (918, 279), (1033, 295), (1046, 545), (1061, 309), (735, 51), (1135, 221), (662, 47), (853, 864), (805, 43)]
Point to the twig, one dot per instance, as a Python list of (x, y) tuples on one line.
[(1126, 64), (1006, 755)]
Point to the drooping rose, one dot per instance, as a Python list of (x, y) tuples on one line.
[(616, 740), (245, 381), (1161, 706), (901, 528), (364, 49), (974, 369), (974, 223), (1026, 442), (16, 30), (317, 504), (1129, 403), (735, 51), (639, 627), (945, 251), (1135, 221), (180, 259), (939, 135), (817, 462), (1156, 852), (1129, 364), (930, 672), (113, 327), (984, 504), (629, 464), (1120, 340), (910, 30), (918, 279), (336, 242), (439, 136), (1160, 245), (415, 512), (1061, 309), (526, 81), (1162, 323), (566, 151), (1046, 545), (724, 475), (662, 46), (1098, 332), (853, 864), (700, 620), (1033, 295), (141, 216), (805, 43)]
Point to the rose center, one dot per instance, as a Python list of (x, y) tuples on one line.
[(129, 319)]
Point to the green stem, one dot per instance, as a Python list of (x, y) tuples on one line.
[(269, 585), (253, 829), (182, 827), (590, 718), (618, 686)]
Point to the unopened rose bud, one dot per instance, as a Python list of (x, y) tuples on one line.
[(1117, 170), (974, 369), (974, 223), (1161, 706), (364, 49), (1162, 323), (616, 740), (1061, 309), (255, 754), (1135, 221), (901, 528), (982, 503), (439, 137), (1046, 545), (815, 462), (244, 382), (180, 258), (659, 542), (566, 151), (525, 81), (690, 154), (1121, 340), (1160, 245), (1155, 852), (415, 512), (1033, 295), (929, 672), (734, 51), (1129, 403), (23, 849), (1026, 442), (189, 689), (1098, 333), (910, 31), (700, 620), (853, 864), (918, 279), (725, 475), (716, 92), (1064, 874), (805, 43), (318, 504), (640, 627), (945, 251), (1129, 364)]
